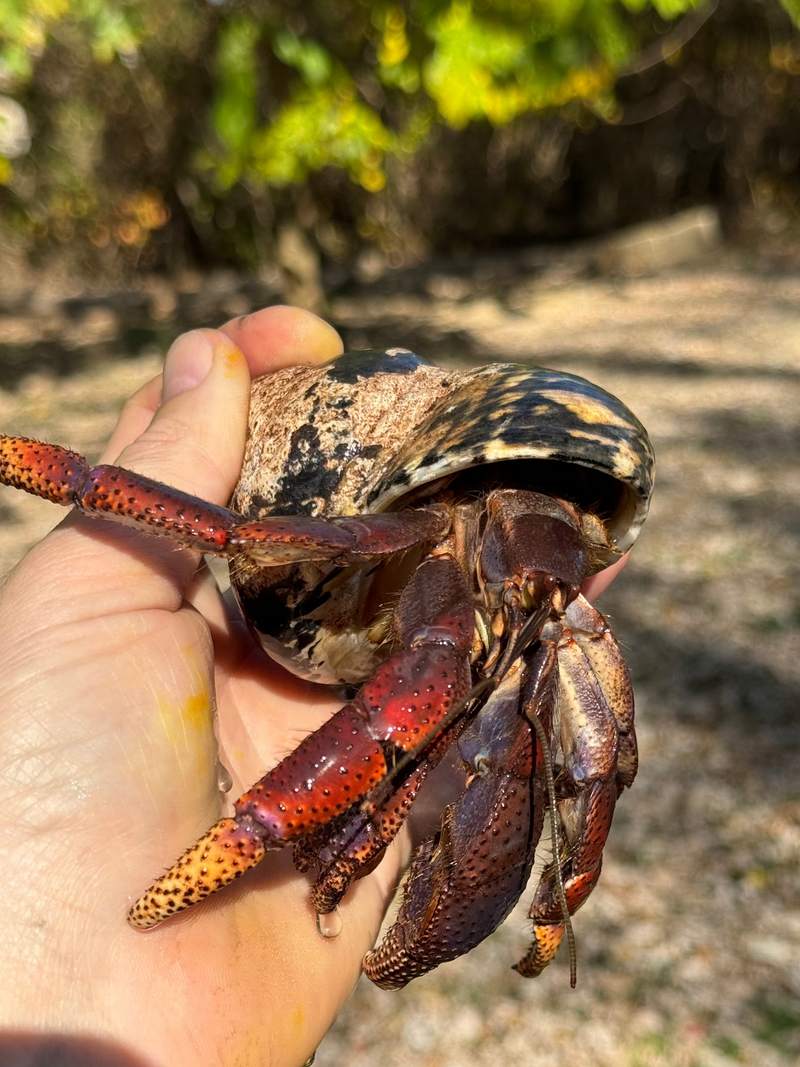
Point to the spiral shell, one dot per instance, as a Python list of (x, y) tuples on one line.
[(372, 431)]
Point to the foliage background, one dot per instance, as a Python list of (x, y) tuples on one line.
[(139, 134)]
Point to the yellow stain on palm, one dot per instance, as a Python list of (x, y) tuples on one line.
[(187, 716), (298, 1017), (198, 707), (188, 726), (197, 711), (187, 721)]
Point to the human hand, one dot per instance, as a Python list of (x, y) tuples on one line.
[(116, 652)]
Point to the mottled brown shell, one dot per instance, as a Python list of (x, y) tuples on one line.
[(371, 430), (375, 431)]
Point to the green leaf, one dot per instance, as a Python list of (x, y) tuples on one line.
[(319, 127), (234, 113), (793, 8), (308, 57)]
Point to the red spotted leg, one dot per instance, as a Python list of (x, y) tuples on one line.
[(121, 496), (595, 702), (335, 769), (435, 610)]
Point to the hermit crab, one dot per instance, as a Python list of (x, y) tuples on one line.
[(419, 538)]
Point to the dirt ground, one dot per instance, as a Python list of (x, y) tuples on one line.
[(689, 951)]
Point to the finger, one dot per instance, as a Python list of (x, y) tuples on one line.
[(271, 338), (281, 336), (195, 439), (193, 443), (135, 417), (598, 583)]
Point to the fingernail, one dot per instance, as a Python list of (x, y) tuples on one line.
[(318, 338), (188, 363)]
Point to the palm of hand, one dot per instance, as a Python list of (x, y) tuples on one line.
[(117, 657)]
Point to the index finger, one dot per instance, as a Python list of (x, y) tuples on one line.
[(282, 336)]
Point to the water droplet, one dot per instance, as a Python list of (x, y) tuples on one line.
[(224, 779), (310, 1059), (330, 925)]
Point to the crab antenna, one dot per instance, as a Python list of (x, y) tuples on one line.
[(551, 798)]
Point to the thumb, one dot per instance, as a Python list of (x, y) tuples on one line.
[(194, 443), (195, 440)]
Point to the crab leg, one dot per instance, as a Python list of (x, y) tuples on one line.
[(112, 492), (595, 640), (599, 746), (592, 811), (132, 499), (349, 847), (337, 767), (465, 879)]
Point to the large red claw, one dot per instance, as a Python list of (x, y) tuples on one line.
[(228, 849), (331, 783)]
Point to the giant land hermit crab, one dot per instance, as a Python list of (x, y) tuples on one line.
[(420, 537)]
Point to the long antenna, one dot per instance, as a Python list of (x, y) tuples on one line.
[(551, 797)]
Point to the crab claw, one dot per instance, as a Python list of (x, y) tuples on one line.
[(229, 848), (360, 748), (465, 879)]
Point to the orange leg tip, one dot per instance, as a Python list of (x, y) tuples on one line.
[(220, 856), (546, 940)]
